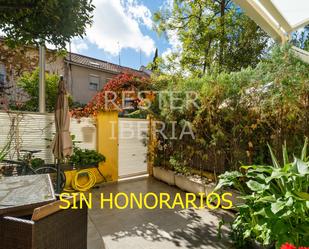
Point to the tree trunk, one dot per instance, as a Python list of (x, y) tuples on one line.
[(205, 65), (222, 32)]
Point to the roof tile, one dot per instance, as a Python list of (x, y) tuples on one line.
[(101, 65)]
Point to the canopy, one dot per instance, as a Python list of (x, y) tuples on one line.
[(279, 18)]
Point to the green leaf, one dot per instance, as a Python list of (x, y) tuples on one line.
[(256, 186), (267, 199), (276, 174), (247, 233), (273, 157), (277, 206), (303, 195), (302, 167), (227, 179), (280, 227), (265, 212), (262, 169), (304, 150), (285, 154)]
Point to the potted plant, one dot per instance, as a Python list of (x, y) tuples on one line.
[(84, 158)]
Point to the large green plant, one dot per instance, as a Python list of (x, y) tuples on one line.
[(276, 200)]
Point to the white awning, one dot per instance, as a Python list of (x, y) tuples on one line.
[(279, 18)]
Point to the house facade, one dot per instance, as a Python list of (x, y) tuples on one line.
[(84, 76)]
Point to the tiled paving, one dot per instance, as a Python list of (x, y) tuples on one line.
[(158, 228)]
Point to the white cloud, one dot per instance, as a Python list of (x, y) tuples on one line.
[(78, 45), (173, 40), (117, 26), (139, 12)]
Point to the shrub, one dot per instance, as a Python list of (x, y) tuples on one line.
[(29, 83), (238, 114)]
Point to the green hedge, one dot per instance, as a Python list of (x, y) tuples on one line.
[(238, 114)]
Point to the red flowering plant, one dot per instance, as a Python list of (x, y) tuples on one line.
[(290, 246), (111, 97), (287, 246)]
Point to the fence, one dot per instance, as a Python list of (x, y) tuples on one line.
[(36, 131)]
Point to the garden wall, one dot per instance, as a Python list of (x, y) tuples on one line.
[(34, 131)]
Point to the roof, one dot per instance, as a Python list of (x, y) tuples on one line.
[(97, 64)]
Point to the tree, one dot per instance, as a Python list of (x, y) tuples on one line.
[(52, 21), (29, 84), (214, 34)]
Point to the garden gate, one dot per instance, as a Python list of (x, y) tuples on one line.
[(132, 157)]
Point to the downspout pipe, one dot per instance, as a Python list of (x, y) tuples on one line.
[(42, 84)]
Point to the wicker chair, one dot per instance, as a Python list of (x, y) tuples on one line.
[(51, 228)]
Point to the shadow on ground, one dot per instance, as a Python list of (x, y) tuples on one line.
[(157, 228)]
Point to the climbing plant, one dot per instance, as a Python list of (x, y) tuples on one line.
[(112, 95)]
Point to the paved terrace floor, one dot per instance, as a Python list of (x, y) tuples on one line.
[(147, 229)]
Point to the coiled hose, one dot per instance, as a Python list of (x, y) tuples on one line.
[(77, 185)]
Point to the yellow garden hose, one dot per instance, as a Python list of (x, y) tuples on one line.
[(86, 186), (83, 180)]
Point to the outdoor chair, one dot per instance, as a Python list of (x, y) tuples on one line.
[(48, 227)]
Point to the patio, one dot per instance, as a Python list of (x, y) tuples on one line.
[(143, 228)]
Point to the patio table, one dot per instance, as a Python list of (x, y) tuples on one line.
[(21, 194)]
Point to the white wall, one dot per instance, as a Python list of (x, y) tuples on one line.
[(33, 131)]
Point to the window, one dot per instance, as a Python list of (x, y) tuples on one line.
[(2, 74), (94, 82)]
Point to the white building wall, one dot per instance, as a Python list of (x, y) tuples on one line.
[(34, 131)]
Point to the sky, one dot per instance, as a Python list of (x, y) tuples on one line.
[(125, 27)]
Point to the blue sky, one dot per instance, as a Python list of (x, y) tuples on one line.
[(124, 25)]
